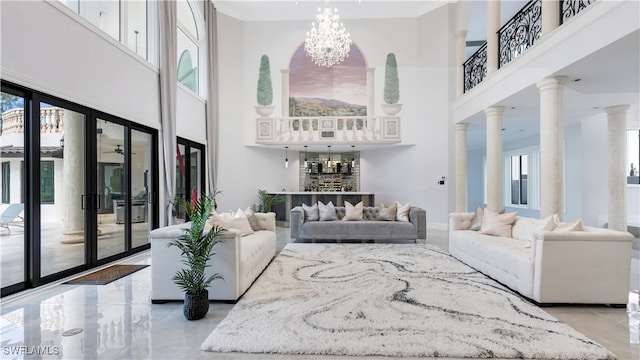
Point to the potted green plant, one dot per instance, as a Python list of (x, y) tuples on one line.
[(391, 86), (267, 201), (196, 248), (265, 91)]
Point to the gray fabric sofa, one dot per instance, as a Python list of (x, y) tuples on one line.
[(367, 229)]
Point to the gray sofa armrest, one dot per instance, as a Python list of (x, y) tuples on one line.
[(418, 217), (296, 220)]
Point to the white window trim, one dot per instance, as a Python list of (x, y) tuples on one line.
[(533, 177)]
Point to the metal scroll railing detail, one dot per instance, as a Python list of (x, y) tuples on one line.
[(475, 68), (570, 8), (520, 33)]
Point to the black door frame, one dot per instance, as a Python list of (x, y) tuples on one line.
[(31, 187)]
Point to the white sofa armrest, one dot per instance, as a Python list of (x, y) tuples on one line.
[(460, 221), (591, 266)]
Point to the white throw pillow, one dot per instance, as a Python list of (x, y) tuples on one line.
[(353, 213), (231, 221), (497, 224), (566, 227), (403, 212)]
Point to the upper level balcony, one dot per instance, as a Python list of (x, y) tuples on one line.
[(516, 36)]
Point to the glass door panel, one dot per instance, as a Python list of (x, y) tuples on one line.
[(111, 175), (62, 189), (142, 187), (12, 244)]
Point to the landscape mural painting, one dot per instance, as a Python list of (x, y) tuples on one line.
[(340, 90)]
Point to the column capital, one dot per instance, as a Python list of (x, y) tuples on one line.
[(616, 109), (461, 34), (553, 82), (494, 110), (461, 126)]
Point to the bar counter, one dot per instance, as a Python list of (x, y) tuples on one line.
[(297, 198)]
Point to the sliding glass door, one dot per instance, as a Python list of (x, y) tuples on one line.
[(78, 188)]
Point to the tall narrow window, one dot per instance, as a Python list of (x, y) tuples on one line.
[(6, 182), (188, 47), (519, 177)]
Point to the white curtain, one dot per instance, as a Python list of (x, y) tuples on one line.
[(212, 95), (168, 98)]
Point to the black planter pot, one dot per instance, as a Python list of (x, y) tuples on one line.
[(196, 306)]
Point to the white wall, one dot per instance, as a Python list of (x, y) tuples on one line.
[(406, 172)]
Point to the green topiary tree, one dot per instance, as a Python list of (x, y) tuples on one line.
[(391, 86), (265, 92)]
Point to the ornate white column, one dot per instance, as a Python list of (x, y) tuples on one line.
[(461, 45), (617, 140), (461, 167), (493, 25), (550, 14), (551, 149), (495, 180), (73, 184), (284, 74)]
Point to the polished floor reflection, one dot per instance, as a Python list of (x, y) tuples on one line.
[(117, 321)]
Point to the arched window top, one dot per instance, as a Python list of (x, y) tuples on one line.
[(187, 19), (320, 91)]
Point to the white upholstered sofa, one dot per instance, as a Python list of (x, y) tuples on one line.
[(239, 259), (549, 267)]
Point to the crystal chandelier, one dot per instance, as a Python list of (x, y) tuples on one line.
[(329, 43)]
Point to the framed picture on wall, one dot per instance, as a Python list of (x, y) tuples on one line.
[(264, 129), (390, 128)]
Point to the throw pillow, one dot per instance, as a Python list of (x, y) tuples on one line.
[(566, 227), (497, 224), (353, 213), (476, 220), (387, 213), (230, 221), (311, 212), (402, 214), (327, 212)]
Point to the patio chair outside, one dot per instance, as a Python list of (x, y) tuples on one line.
[(11, 216)]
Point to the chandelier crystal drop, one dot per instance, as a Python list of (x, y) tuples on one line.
[(329, 43)]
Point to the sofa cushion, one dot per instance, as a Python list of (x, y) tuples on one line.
[(237, 222), (351, 212), (497, 224), (402, 213), (387, 213), (566, 227), (476, 220), (524, 227), (311, 212), (358, 230), (327, 212)]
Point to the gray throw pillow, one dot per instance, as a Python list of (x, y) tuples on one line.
[(253, 221), (327, 212), (311, 212)]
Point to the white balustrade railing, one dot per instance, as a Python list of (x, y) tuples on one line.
[(51, 121), (351, 129)]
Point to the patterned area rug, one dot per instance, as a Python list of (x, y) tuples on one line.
[(106, 275), (391, 300)]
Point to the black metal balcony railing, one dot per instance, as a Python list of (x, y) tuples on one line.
[(516, 36), (570, 8), (520, 33), (475, 68)]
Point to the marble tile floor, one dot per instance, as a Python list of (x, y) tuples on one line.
[(117, 321)]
